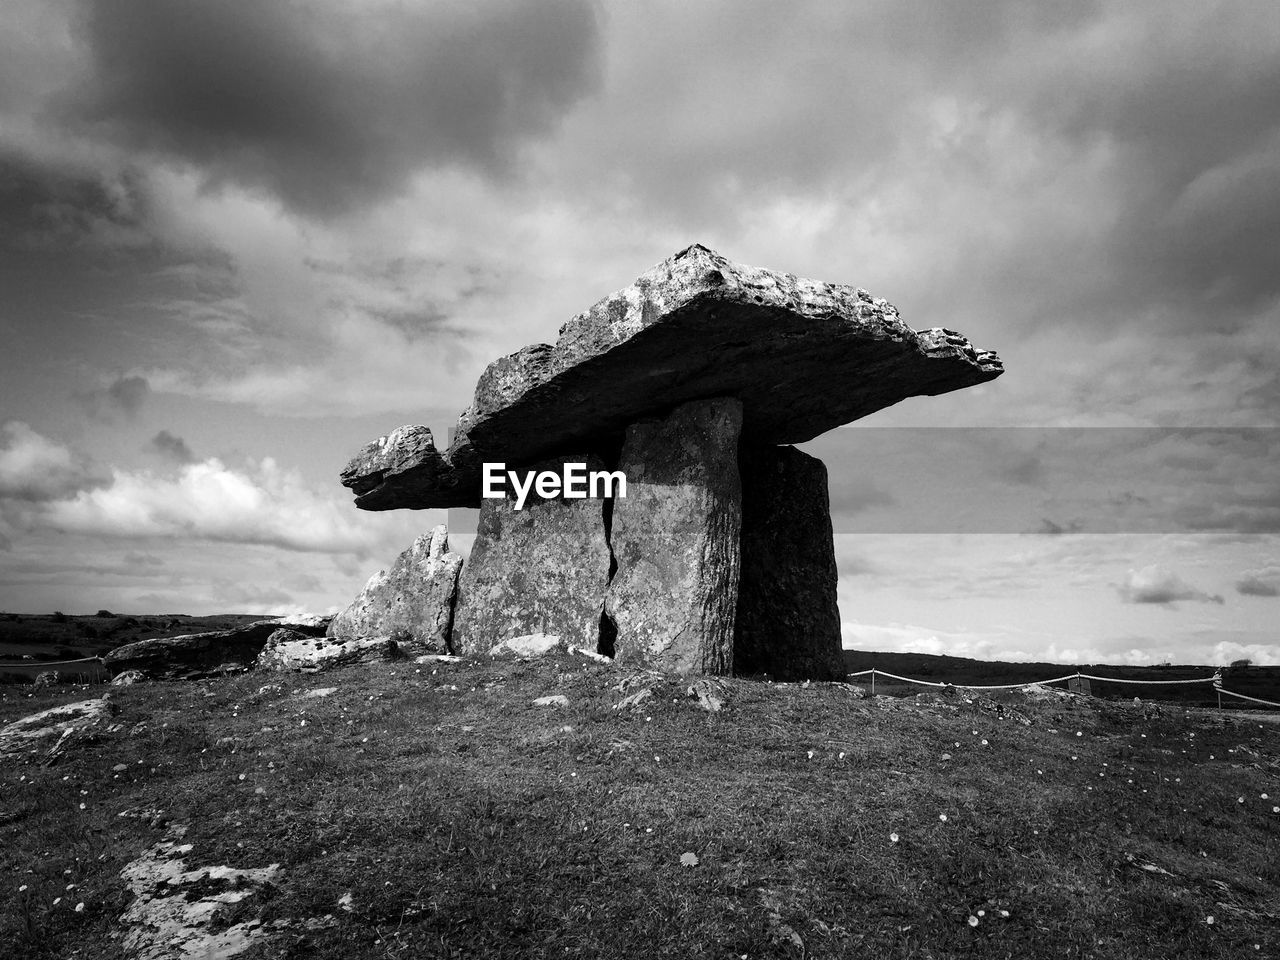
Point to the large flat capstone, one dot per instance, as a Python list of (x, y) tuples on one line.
[(788, 624), (675, 541), (801, 356), (542, 569)]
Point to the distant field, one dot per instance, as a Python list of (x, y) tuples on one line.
[(29, 641), (1261, 682)]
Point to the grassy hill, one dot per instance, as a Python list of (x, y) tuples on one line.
[(435, 811)]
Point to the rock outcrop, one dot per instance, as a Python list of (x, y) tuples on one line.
[(675, 540), (668, 378), (802, 356), (198, 654), (788, 624), (47, 729), (290, 650), (541, 569), (413, 601)]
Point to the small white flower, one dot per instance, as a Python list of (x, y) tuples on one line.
[(893, 838), (982, 913), (810, 754), (22, 888), (1079, 733), (942, 817), (984, 743), (973, 921), (80, 907), (56, 901), (1004, 913), (1264, 796), (1239, 799), (1209, 920)]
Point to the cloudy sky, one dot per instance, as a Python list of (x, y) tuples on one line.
[(238, 240)]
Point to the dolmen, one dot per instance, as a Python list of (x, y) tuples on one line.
[(671, 524)]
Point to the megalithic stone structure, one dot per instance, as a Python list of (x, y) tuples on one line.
[(672, 599), (735, 541)]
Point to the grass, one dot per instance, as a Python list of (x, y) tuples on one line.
[(465, 822)]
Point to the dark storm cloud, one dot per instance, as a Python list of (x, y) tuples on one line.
[(124, 396), (46, 206), (1253, 585), (171, 447), (331, 105)]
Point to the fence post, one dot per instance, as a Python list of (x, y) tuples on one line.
[(873, 681), (1219, 690)]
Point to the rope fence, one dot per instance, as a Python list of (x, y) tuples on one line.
[(1215, 680), (49, 663)]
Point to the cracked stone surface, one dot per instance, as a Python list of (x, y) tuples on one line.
[(675, 540), (802, 357), (175, 910), (412, 601), (539, 570)]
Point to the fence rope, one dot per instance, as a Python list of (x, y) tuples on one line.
[(1229, 693), (49, 663), (1216, 680)]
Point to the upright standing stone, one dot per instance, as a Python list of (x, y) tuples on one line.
[(412, 602), (675, 540), (542, 569), (788, 624)]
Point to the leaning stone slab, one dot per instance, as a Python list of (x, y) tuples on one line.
[(290, 650), (197, 654), (802, 356), (788, 623), (413, 601), (542, 569), (675, 541)]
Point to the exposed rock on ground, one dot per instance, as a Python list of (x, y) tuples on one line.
[(803, 357), (533, 645), (542, 569), (413, 601), (788, 623), (675, 540), (176, 912), (198, 654), (49, 729), (291, 650)]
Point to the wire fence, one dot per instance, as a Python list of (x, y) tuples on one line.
[(1215, 680)]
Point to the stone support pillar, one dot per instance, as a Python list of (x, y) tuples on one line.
[(787, 624), (675, 540)]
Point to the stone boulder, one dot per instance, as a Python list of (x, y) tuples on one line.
[(413, 601), (291, 650), (539, 570), (802, 356), (49, 728), (197, 654), (788, 623), (671, 604)]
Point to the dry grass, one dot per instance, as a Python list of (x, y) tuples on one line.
[(468, 823)]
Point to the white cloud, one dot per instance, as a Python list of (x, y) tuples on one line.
[(1159, 585), (35, 468), (261, 504)]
